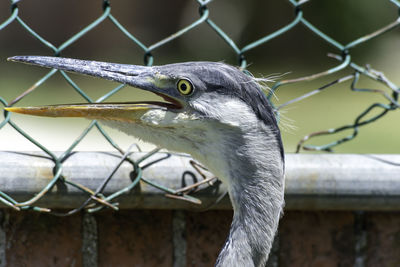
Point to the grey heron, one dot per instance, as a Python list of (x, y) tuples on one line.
[(212, 111)]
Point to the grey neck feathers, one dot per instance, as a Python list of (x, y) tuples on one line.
[(256, 190)]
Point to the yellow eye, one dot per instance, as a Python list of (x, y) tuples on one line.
[(185, 87)]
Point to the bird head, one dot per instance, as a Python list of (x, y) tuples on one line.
[(206, 104), (212, 111)]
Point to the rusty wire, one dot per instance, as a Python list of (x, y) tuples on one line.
[(96, 200)]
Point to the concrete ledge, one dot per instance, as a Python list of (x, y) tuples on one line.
[(313, 181)]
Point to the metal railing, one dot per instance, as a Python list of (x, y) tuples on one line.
[(313, 181)]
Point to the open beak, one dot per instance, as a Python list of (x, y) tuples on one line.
[(141, 77)]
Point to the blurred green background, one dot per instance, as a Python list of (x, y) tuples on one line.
[(294, 54)]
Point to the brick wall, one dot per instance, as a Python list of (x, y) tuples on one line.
[(182, 238)]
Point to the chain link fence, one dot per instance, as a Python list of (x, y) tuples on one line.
[(342, 54)]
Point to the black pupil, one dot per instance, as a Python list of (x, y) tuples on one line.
[(183, 87)]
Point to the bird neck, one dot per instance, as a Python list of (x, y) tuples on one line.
[(256, 191)]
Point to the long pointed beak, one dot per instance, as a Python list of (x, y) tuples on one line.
[(137, 76), (127, 112), (128, 74)]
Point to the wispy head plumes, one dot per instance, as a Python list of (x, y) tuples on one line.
[(285, 123), (272, 78)]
